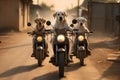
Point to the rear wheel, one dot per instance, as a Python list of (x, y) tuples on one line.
[(61, 65)]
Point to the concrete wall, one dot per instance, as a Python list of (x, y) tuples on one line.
[(14, 15), (23, 15), (9, 14), (21, 24), (102, 17)]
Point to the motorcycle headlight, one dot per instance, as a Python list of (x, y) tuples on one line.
[(80, 38), (39, 38), (60, 38)]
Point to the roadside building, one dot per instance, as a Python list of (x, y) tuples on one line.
[(14, 14), (102, 17)]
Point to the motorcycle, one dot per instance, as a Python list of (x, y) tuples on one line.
[(60, 48), (80, 44), (39, 41)]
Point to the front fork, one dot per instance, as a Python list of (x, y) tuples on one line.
[(81, 51), (61, 51), (40, 50)]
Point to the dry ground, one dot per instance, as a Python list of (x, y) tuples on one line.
[(96, 65)]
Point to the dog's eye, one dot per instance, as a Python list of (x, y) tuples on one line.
[(81, 21), (58, 14), (62, 14)]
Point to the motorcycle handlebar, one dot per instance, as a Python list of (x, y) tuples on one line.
[(48, 31), (91, 32), (77, 30)]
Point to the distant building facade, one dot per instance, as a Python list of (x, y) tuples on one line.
[(14, 14), (102, 17)]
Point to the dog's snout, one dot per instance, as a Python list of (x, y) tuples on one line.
[(61, 18), (39, 23), (81, 24)]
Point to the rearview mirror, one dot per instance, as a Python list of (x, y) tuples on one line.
[(48, 23), (29, 24), (74, 21)]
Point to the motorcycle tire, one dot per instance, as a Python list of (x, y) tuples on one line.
[(39, 56), (61, 64), (81, 57)]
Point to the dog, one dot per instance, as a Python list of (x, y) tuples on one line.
[(40, 24), (82, 24), (61, 22), (60, 15), (39, 29), (59, 27), (82, 27)]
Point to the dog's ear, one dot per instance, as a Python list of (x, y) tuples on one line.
[(65, 14), (36, 20), (43, 20), (54, 15), (85, 19)]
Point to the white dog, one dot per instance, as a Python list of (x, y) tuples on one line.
[(82, 24), (61, 22), (60, 26)]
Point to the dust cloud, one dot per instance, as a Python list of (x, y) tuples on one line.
[(48, 15)]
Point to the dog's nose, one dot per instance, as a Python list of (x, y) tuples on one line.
[(81, 24), (39, 23), (60, 18)]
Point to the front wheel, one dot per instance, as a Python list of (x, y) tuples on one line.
[(81, 57), (39, 56), (61, 64)]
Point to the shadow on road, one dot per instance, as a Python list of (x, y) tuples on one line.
[(73, 67), (113, 72), (16, 46), (18, 70), (55, 75), (50, 76), (105, 44)]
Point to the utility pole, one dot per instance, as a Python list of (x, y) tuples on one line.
[(90, 14), (78, 8), (38, 2)]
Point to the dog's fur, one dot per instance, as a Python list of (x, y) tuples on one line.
[(60, 25), (40, 24), (39, 29), (61, 20), (82, 24)]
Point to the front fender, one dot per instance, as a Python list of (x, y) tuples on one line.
[(39, 48), (81, 48), (61, 50)]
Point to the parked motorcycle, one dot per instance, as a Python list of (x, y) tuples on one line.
[(80, 44), (39, 41), (60, 49)]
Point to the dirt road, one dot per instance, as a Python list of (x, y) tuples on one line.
[(16, 63)]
